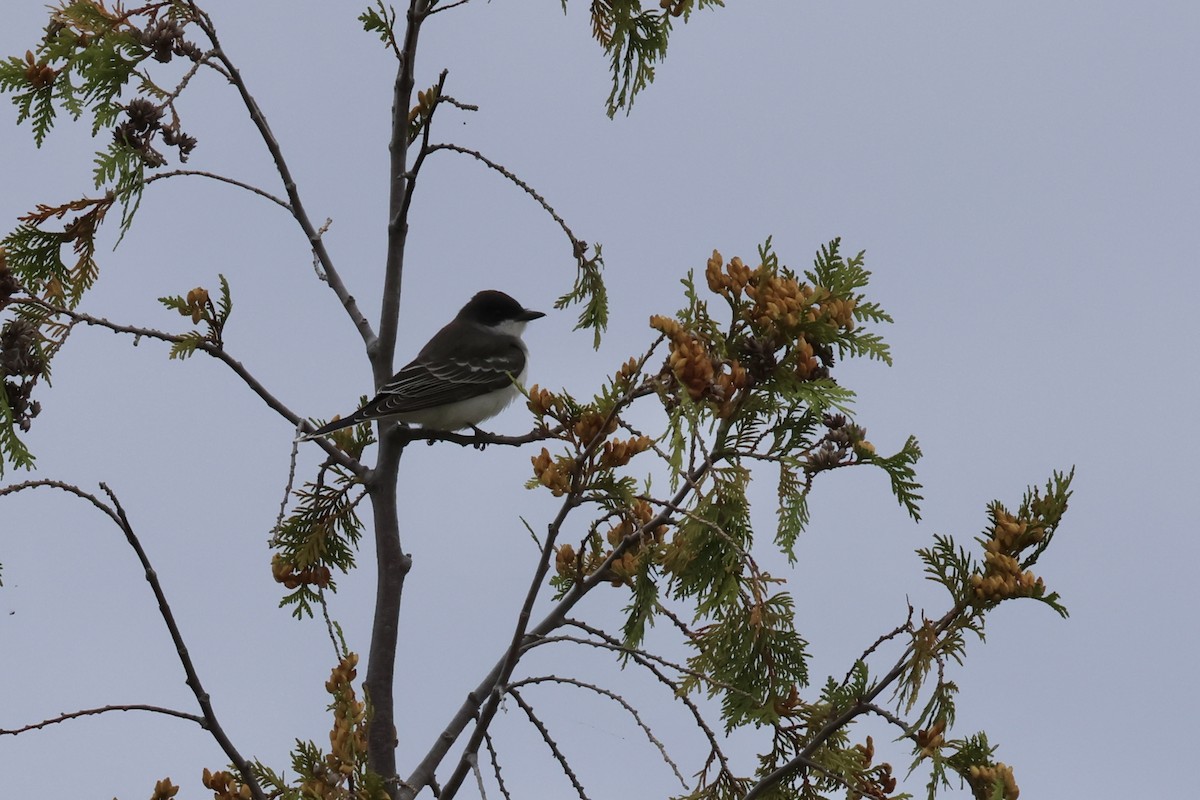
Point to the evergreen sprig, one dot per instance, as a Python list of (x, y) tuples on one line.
[(635, 39), (589, 290), (321, 534), (200, 307), (91, 60)]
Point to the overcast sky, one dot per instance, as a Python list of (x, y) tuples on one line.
[(1023, 176)]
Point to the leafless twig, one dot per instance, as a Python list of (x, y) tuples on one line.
[(558, 755), (491, 747), (158, 176), (617, 699), (214, 350), (440, 9), (578, 247), (88, 712), (295, 205), (116, 513)]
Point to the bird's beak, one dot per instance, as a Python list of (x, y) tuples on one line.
[(530, 314)]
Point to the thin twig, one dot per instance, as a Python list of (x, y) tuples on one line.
[(158, 176), (892, 718), (339, 648), (273, 541), (491, 747), (295, 204), (579, 247), (88, 712), (836, 723), (217, 352), (906, 627), (478, 777), (558, 755), (646, 660), (440, 9), (615, 645), (185, 659), (66, 487), (209, 721), (616, 698)]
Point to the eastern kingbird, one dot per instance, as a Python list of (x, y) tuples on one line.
[(464, 375)]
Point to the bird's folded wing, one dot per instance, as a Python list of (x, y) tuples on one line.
[(425, 384)]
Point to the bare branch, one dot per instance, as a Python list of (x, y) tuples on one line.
[(185, 659), (214, 176), (209, 720), (440, 9), (578, 247), (487, 740), (88, 712), (615, 645), (616, 698), (66, 487), (906, 627), (287, 491), (558, 756), (295, 205), (217, 352), (892, 718), (479, 439), (400, 195)]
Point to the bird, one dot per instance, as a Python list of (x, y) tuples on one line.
[(467, 373)]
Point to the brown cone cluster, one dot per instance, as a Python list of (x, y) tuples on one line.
[(983, 780), (1002, 576), (286, 573)]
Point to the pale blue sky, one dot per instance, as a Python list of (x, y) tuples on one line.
[(1023, 176)]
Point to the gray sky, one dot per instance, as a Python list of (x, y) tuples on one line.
[(1023, 177)]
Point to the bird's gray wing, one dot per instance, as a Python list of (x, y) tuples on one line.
[(427, 384)]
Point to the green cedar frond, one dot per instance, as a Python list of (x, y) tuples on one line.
[(793, 507), (1047, 508), (381, 21), (949, 565), (323, 530), (225, 304), (186, 346), (710, 544), (900, 471), (642, 605), (12, 449), (589, 289), (754, 657)]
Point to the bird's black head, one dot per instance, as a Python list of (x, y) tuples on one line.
[(492, 308)]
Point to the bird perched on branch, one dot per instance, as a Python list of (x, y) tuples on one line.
[(465, 374)]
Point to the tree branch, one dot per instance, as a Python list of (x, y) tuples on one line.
[(209, 719), (193, 679), (88, 712), (558, 755), (382, 353), (158, 176), (487, 694), (836, 723), (295, 205), (491, 748), (647, 660), (578, 246), (600, 690), (217, 352)]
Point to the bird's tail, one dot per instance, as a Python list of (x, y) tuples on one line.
[(330, 427)]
